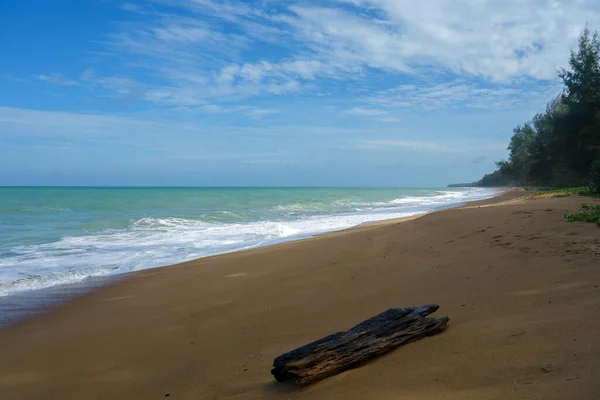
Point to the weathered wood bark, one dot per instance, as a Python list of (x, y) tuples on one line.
[(344, 350)]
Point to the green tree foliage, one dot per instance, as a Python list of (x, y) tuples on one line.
[(594, 177), (558, 146)]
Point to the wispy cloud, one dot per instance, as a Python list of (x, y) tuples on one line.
[(369, 112), (56, 79), (20, 122), (485, 38), (258, 113), (118, 86), (390, 119), (429, 146), (12, 78), (213, 108), (354, 81), (25, 122), (201, 51), (374, 113), (461, 94)]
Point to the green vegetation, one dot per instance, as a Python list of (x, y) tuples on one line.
[(539, 191), (588, 213), (594, 177), (560, 147)]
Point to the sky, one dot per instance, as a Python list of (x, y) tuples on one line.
[(273, 92)]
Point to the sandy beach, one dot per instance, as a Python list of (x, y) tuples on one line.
[(520, 284)]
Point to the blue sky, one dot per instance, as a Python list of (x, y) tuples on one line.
[(273, 92)]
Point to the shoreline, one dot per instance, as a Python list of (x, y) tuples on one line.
[(17, 307), (518, 282)]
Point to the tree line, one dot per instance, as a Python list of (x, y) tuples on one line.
[(560, 147)]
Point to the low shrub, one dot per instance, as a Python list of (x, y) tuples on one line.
[(587, 213)]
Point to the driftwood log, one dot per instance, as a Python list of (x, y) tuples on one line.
[(344, 350)]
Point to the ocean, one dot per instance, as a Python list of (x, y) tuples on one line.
[(54, 236)]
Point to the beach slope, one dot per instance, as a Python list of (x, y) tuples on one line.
[(520, 284)]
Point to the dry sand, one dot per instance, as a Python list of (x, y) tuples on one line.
[(519, 283)]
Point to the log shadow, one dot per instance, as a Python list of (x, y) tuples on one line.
[(290, 387), (286, 387)]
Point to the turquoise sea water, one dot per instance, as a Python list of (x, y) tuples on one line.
[(52, 236)]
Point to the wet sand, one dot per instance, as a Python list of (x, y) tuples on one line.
[(519, 283)]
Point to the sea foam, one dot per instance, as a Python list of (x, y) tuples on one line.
[(156, 241)]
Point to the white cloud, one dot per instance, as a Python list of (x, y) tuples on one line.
[(87, 74), (390, 119), (369, 112), (460, 94), (223, 9), (500, 40), (206, 51), (182, 34), (375, 113), (258, 113), (183, 137), (26, 122), (212, 108), (117, 83), (113, 85), (57, 79), (21, 122), (12, 78)]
